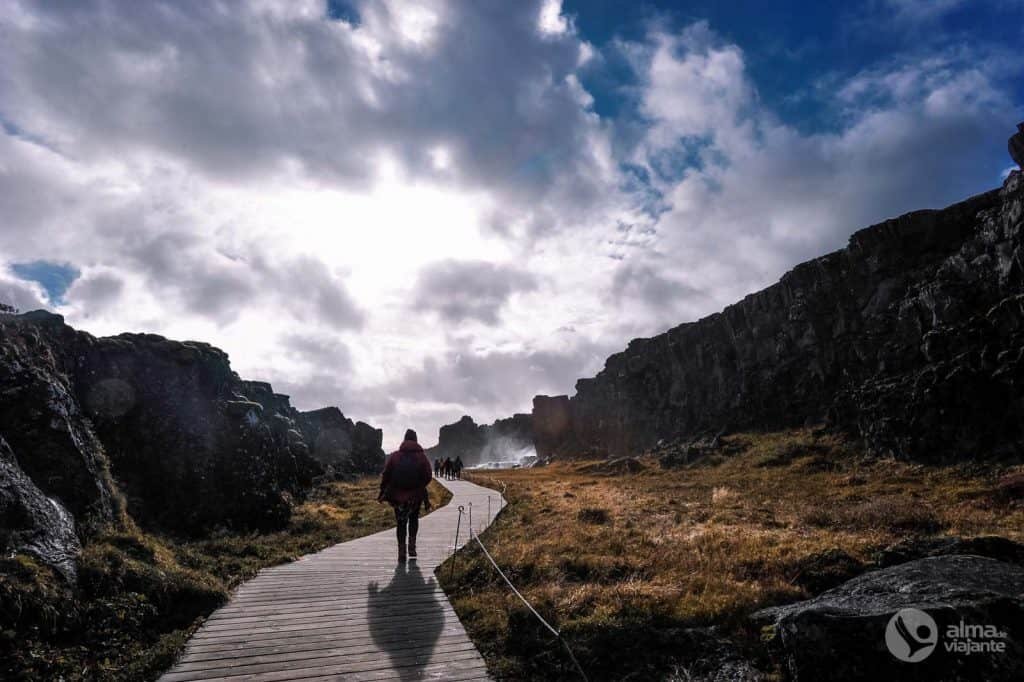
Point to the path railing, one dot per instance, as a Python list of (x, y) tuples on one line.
[(473, 536)]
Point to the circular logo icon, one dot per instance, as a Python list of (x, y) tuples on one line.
[(911, 635)]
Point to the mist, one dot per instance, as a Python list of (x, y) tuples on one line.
[(505, 452)]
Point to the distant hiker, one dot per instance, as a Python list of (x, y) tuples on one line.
[(458, 467), (437, 467), (1016, 146), (447, 468), (404, 485)]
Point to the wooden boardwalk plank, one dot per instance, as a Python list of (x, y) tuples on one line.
[(349, 612)]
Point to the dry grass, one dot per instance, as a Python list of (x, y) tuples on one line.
[(625, 564), (140, 596)]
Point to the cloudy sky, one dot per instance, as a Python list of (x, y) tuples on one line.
[(417, 209)]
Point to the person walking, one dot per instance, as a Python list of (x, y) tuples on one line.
[(404, 486), (447, 468), (458, 467), (437, 467)]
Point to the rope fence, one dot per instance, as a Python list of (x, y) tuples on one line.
[(473, 536)]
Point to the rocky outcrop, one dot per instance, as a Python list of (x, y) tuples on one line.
[(1015, 145), (553, 429), (189, 448), (503, 441), (912, 338), (991, 546), (49, 436), (165, 431), (344, 447), (335, 441), (851, 633), (31, 522), (463, 438)]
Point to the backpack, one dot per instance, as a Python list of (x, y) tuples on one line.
[(405, 474)]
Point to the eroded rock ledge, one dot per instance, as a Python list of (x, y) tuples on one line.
[(477, 444), (911, 338), (96, 430)]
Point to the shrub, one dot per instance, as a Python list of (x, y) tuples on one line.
[(597, 517)]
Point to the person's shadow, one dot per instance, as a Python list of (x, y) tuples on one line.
[(406, 619)]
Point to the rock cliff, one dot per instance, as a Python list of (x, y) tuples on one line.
[(911, 338), (1015, 145), (504, 440), (94, 430), (336, 442)]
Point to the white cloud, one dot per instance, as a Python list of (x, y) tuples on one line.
[(550, 19), (761, 195), (694, 87), (290, 187), (19, 293)]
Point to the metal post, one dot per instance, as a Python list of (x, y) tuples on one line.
[(455, 547)]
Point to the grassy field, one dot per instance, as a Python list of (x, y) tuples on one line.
[(633, 566), (140, 596)]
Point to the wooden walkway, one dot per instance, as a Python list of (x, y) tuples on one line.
[(349, 612)]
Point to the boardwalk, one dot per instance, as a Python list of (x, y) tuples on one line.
[(349, 612)]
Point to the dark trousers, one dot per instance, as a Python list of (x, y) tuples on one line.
[(407, 517)]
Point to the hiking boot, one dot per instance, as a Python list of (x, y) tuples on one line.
[(412, 549)]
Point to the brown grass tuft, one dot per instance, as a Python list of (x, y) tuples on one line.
[(140, 595), (647, 557)]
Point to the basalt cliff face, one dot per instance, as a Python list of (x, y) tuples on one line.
[(504, 440), (94, 430), (911, 338), (339, 444)]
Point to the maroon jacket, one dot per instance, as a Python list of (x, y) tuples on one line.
[(409, 448)]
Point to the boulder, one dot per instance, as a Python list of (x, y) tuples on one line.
[(682, 452), (991, 546), (853, 632), (618, 466)]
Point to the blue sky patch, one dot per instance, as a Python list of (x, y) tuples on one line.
[(55, 278), (343, 10), (793, 47)]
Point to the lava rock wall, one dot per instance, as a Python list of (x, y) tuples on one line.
[(480, 443), (911, 338), (94, 430), (335, 441)]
